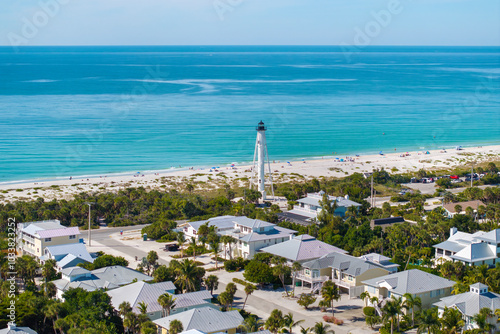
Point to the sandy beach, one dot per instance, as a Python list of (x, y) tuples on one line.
[(205, 178)]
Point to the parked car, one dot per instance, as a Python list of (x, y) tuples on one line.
[(454, 177)]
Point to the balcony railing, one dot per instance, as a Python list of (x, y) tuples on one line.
[(343, 284), (312, 279)]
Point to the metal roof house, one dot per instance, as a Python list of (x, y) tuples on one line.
[(470, 303), (148, 293), (67, 255), (250, 234), (309, 207), (103, 278), (301, 248), (13, 329), (206, 319), (416, 282), (34, 237), (470, 249), (344, 270)]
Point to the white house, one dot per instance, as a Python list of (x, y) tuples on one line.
[(470, 303), (250, 234), (470, 249), (309, 207), (34, 237)]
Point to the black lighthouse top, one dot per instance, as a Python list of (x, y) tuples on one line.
[(261, 127)]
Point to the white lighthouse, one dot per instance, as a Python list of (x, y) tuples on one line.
[(262, 157)]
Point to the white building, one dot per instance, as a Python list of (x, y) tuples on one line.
[(34, 237), (470, 249), (250, 234), (470, 303), (309, 207)]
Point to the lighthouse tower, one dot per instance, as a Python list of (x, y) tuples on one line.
[(262, 157)]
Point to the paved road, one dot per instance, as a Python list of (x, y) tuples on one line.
[(102, 236)]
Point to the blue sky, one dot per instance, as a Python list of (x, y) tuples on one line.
[(249, 22)]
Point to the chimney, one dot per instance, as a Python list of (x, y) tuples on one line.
[(346, 196), (453, 230)]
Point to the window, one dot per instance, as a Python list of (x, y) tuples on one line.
[(48, 239), (72, 237)]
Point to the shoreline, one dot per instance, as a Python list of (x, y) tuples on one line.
[(202, 168), (206, 179)]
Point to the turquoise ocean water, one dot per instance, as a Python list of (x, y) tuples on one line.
[(68, 111)]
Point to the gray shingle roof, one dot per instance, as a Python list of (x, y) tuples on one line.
[(412, 281), (205, 319), (348, 264), (302, 248)]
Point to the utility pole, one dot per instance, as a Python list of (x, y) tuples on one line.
[(89, 204), (372, 192), (471, 175)]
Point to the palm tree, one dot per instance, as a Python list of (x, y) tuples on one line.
[(143, 307), (214, 245), (227, 240), (289, 322), (251, 324), (124, 308), (212, 282), (320, 328), (225, 299), (167, 303), (365, 295), (249, 289), (305, 330), (51, 311), (186, 275), (452, 321), (330, 293), (391, 312), (275, 321), (181, 239), (429, 322), (296, 267), (193, 244), (175, 327), (481, 320), (410, 303)]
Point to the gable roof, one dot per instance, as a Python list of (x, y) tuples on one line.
[(346, 263), (301, 248), (33, 227), (149, 293), (276, 232), (412, 281), (469, 303), (205, 319), (73, 271), (77, 249), (315, 198)]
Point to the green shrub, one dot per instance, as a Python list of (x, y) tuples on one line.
[(236, 264)]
